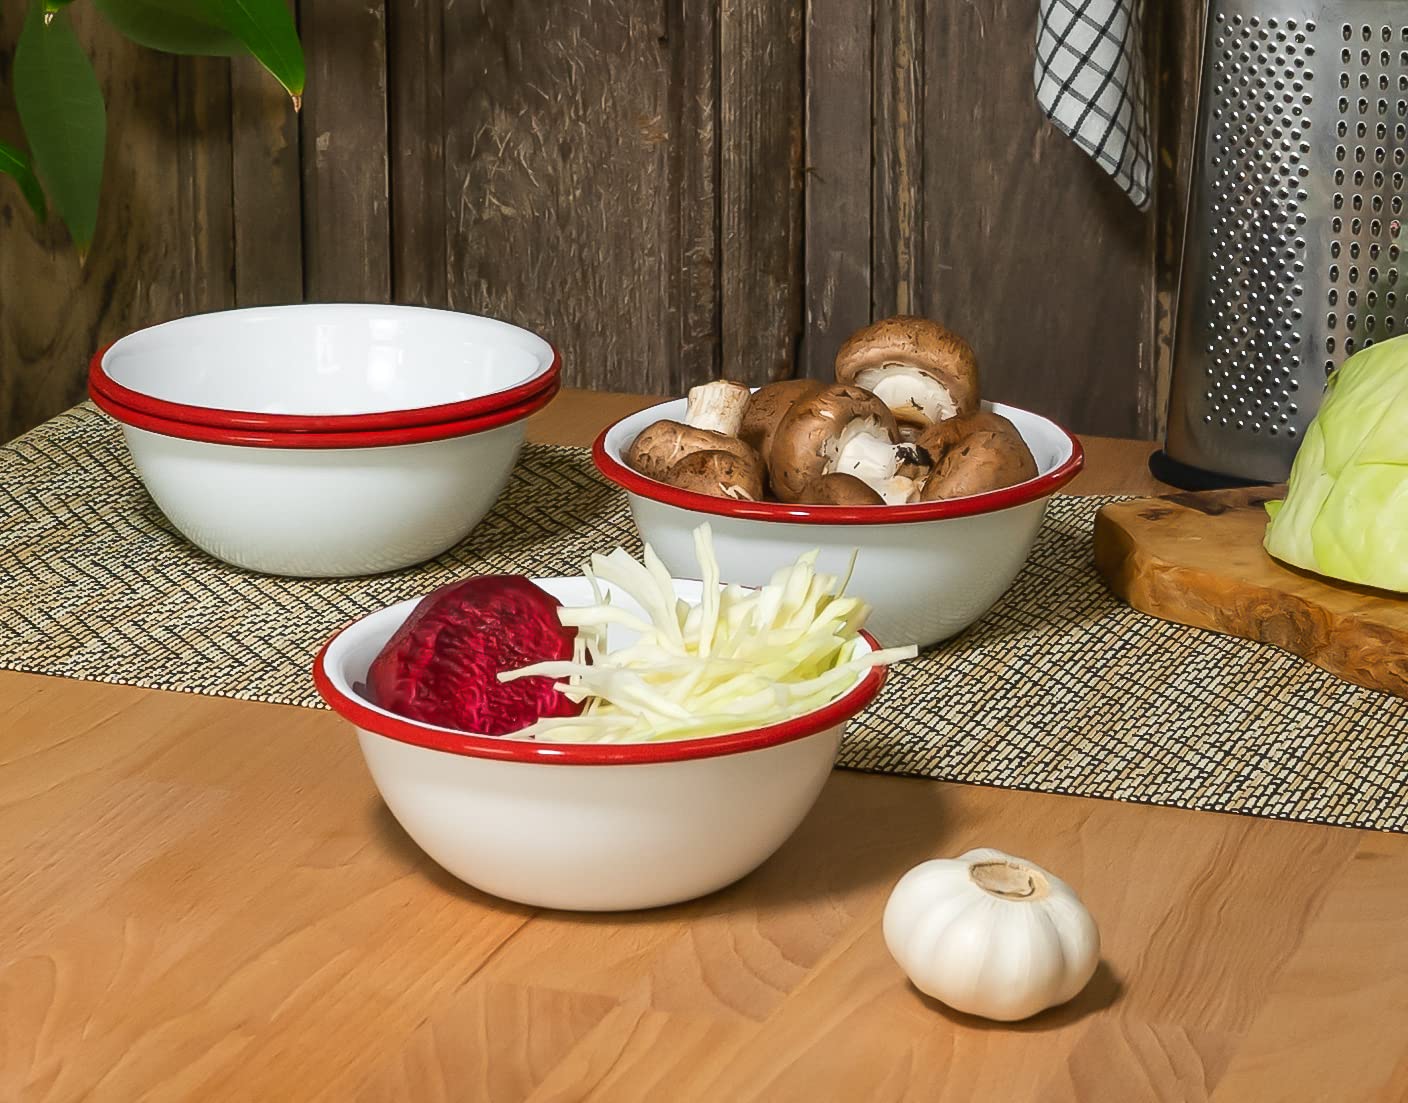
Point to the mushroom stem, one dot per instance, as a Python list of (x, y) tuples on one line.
[(864, 450), (718, 406)]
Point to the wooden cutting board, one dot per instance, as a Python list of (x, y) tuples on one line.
[(1197, 559)]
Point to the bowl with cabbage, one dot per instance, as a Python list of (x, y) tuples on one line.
[(619, 740)]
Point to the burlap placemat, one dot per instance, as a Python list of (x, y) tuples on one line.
[(1060, 688)]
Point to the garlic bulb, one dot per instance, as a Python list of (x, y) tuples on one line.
[(991, 934)]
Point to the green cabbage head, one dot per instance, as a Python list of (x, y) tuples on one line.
[(1346, 509)]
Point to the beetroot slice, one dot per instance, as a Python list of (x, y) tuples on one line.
[(441, 665)]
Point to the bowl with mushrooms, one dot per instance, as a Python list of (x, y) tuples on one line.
[(937, 494)]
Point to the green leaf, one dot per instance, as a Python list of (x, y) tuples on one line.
[(65, 122), (266, 28), (220, 28), (173, 26), (51, 8), (14, 163)]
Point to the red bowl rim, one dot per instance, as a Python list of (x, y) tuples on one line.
[(216, 417), (505, 749), (379, 438), (990, 502)]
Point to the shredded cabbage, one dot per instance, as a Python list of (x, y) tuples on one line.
[(739, 659)]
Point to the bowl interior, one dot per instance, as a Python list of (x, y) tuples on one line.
[(1050, 444), (327, 360), (347, 657)]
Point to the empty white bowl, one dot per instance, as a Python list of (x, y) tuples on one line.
[(325, 504), (929, 570), (339, 367), (588, 827)]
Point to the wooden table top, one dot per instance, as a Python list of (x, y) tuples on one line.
[(204, 898)]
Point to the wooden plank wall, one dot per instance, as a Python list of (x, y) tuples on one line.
[(669, 191)]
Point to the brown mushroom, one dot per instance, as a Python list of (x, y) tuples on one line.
[(713, 414), (838, 489), (843, 429), (721, 474), (921, 370), (768, 406), (939, 438), (982, 461), (661, 445)]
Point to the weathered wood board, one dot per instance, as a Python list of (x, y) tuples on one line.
[(669, 192), (1197, 559)]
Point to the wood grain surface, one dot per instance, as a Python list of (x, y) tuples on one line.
[(1198, 559), (669, 192), (992, 268), (346, 176), (205, 899)]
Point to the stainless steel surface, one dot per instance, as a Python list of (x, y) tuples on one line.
[(1291, 257)]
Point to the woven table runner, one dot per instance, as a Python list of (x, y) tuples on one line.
[(1060, 688)]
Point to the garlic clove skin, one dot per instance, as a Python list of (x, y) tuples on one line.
[(991, 935)]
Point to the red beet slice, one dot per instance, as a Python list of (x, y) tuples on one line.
[(441, 666)]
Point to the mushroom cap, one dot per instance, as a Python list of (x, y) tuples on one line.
[(943, 435), (799, 451), (721, 474), (907, 340), (840, 489), (662, 444), (768, 406), (981, 461)]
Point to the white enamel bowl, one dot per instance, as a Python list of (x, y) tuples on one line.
[(339, 367), (587, 827), (325, 504), (929, 570)]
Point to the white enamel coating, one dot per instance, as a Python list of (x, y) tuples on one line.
[(327, 359), (586, 838), (325, 512), (926, 580)]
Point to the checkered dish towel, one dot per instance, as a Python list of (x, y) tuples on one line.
[(1090, 82)]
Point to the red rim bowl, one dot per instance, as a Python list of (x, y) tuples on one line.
[(1043, 485), (363, 714), (249, 438), (99, 382)]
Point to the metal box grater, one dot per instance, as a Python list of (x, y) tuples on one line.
[(1291, 256)]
